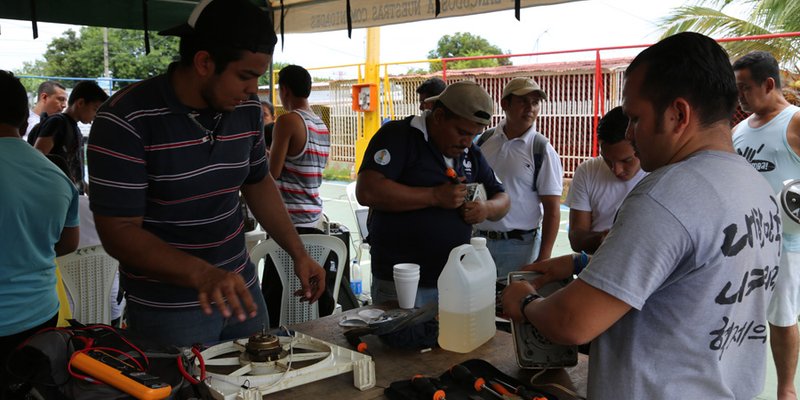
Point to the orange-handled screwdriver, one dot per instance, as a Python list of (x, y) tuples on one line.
[(355, 340), (503, 391), (523, 392), (451, 173), (361, 347), (426, 387), (461, 374)]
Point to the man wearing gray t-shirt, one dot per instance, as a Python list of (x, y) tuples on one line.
[(674, 301)]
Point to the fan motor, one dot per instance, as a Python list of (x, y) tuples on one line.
[(263, 347)]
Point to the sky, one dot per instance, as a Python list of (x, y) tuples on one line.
[(576, 25)]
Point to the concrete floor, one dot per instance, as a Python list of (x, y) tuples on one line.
[(337, 208)]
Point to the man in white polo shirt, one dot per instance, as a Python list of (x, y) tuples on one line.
[(601, 183), (531, 171)]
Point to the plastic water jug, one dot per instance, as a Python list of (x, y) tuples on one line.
[(479, 243), (466, 300)]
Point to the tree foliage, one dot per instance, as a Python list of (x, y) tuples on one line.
[(81, 55), (465, 44), (263, 80), (766, 16)]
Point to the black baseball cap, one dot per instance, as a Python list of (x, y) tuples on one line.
[(236, 23)]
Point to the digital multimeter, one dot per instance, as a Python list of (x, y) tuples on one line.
[(135, 383)]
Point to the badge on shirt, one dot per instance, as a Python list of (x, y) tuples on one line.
[(382, 157), (467, 166)]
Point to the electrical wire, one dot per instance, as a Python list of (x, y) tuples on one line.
[(201, 364), (288, 365), (246, 384)]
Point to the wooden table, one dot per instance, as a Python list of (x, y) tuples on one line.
[(395, 365)]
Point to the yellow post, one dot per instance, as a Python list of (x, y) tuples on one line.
[(372, 119)]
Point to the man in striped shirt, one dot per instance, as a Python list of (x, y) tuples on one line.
[(299, 152), (167, 159)]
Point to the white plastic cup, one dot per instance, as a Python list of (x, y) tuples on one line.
[(406, 267), (416, 278), (406, 274), (406, 288)]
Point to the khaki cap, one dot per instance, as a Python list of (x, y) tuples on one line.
[(468, 100), (521, 87)]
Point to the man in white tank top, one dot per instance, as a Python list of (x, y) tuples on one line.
[(770, 140), (299, 152)]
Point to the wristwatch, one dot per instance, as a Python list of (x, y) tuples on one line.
[(527, 300)]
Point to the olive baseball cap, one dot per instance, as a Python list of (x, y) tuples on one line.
[(468, 100), (521, 87)]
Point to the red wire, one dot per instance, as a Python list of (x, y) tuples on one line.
[(88, 343), (202, 362), (135, 348), (182, 369), (25, 342)]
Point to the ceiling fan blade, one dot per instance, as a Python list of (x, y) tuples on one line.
[(242, 371), (223, 361)]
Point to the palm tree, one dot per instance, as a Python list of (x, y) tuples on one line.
[(767, 16)]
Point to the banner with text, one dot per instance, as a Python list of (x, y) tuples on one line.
[(320, 16)]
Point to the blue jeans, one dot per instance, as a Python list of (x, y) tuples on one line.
[(511, 254), (184, 328), (383, 292)]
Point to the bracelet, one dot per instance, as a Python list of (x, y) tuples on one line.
[(579, 262), (530, 297)]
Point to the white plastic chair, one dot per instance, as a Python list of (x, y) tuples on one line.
[(318, 247), (88, 274), (360, 213)]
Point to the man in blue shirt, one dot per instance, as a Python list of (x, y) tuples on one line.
[(39, 216), (419, 213)]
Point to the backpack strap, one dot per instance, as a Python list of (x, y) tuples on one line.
[(34, 133), (538, 152), (71, 131), (485, 136)]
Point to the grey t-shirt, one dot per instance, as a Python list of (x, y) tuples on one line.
[(694, 251)]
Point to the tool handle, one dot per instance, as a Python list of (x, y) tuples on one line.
[(425, 386), (451, 173), (362, 348), (530, 395), (521, 391), (462, 374), (503, 391)]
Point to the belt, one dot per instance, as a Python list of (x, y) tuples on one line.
[(513, 234)]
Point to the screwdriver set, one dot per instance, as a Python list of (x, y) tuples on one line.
[(470, 380)]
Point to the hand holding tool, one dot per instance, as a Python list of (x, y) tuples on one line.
[(451, 173)]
